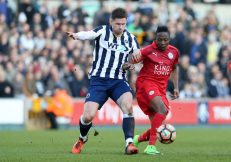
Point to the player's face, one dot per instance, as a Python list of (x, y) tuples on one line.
[(118, 25), (162, 40)]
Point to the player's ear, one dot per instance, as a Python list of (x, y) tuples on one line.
[(110, 21)]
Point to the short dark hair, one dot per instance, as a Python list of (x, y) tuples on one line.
[(119, 13), (162, 29)]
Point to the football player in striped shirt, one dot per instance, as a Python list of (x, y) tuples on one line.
[(113, 44)]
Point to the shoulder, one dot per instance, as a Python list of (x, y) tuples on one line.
[(149, 48), (128, 34), (174, 49), (98, 28), (132, 35)]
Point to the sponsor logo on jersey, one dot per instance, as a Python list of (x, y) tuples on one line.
[(154, 53), (117, 47), (162, 69)]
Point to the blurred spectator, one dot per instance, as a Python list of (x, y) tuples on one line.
[(198, 52), (39, 85), (177, 36), (56, 81), (29, 88), (60, 105), (6, 11), (78, 15), (64, 11), (11, 71), (189, 9), (183, 68), (102, 16), (163, 12), (18, 81), (28, 8), (195, 87), (211, 20), (218, 86), (6, 88), (78, 84), (4, 44), (145, 7), (213, 47)]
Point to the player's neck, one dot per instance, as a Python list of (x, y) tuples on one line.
[(118, 35)]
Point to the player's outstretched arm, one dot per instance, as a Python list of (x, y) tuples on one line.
[(83, 35), (71, 35), (175, 77)]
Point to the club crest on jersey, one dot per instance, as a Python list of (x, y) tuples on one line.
[(154, 53), (151, 92), (170, 55)]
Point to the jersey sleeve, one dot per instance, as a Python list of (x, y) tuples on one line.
[(90, 35), (177, 57), (144, 52)]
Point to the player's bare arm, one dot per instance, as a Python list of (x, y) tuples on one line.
[(175, 77), (136, 57)]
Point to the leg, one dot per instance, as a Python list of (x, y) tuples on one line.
[(159, 115), (156, 119), (96, 97), (52, 118), (85, 122), (125, 103), (144, 105), (141, 138), (120, 92), (145, 136)]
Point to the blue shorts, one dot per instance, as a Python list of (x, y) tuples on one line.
[(101, 89)]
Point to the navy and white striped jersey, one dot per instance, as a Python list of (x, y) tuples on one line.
[(110, 52)]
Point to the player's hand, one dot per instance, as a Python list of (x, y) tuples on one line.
[(128, 66), (175, 94), (72, 35), (136, 56)]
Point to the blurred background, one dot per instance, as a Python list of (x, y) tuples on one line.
[(40, 89)]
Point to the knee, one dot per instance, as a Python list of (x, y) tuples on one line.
[(161, 109), (87, 117), (128, 108)]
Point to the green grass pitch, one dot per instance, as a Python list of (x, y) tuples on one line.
[(193, 144)]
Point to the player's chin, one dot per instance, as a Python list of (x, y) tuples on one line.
[(162, 48)]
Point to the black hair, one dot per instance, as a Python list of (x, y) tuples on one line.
[(162, 29), (119, 13)]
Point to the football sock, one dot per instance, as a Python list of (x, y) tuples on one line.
[(128, 128), (84, 128), (155, 123), (144, 136)]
